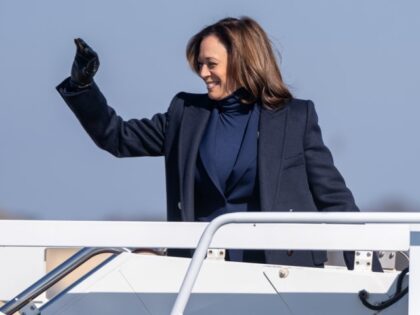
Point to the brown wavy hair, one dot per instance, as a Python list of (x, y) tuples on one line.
[(251, 62)]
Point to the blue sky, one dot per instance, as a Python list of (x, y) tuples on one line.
[(357, 60)]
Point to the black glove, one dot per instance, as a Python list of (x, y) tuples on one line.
[(85, 64)]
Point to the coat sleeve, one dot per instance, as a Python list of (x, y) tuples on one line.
[(135, 137), (328, 187)]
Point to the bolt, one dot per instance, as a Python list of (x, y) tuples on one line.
[(357, 253), (368, 254), (381, 254), (391, 255), (283, 273), (33, 307)]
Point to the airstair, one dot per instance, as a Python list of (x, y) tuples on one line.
[(130, 282)]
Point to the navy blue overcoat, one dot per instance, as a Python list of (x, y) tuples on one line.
[(295, 169)]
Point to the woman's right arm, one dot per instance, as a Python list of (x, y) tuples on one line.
[(135, 137), (110, 132)]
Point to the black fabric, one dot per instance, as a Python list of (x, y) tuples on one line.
[(295, 170)]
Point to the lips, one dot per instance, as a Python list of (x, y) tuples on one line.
[(211, 84)]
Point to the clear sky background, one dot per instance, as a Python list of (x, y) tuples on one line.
[(358, 60)]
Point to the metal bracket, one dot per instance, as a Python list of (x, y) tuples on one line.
[(216, 253), (30, 309), (363, 260), (388, 259)]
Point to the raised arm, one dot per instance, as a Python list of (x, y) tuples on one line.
[(136, 137)]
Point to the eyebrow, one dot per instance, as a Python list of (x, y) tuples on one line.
[(207, 59)]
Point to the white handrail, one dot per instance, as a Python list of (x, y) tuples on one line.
[(280, 217), (51, 233)]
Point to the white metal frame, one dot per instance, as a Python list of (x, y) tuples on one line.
[(304, 217), (351, 231)]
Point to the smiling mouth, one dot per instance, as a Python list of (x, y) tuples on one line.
[(211, 85)]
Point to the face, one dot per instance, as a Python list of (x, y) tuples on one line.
[(213, 61)]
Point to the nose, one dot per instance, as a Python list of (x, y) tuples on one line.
[(204, 72)]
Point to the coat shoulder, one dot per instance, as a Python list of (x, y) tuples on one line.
[(183, 101), (300, 105), (191, 99), (301, 109)]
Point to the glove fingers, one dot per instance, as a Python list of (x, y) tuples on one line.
[(84, 49), (85, 64), (79, 44)]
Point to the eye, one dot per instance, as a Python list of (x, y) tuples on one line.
[(199, 65), (211, 65)]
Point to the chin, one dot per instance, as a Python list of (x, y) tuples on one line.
[(214, 97)]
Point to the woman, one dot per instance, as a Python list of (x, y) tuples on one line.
[(246, 145)]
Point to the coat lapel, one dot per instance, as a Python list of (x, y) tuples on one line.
[(192, 127), (245, 157), (206, 150), (272, 135)]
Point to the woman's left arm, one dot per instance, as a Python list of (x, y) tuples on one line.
[(328, 187)]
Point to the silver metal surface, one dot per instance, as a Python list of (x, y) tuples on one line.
[(30, 309), (53, 277)]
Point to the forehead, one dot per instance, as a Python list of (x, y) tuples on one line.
[(212, 48)]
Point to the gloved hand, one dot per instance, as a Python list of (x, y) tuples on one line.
[(85, 64)]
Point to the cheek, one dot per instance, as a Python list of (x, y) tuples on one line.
[(220, 74), (222, 80)]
